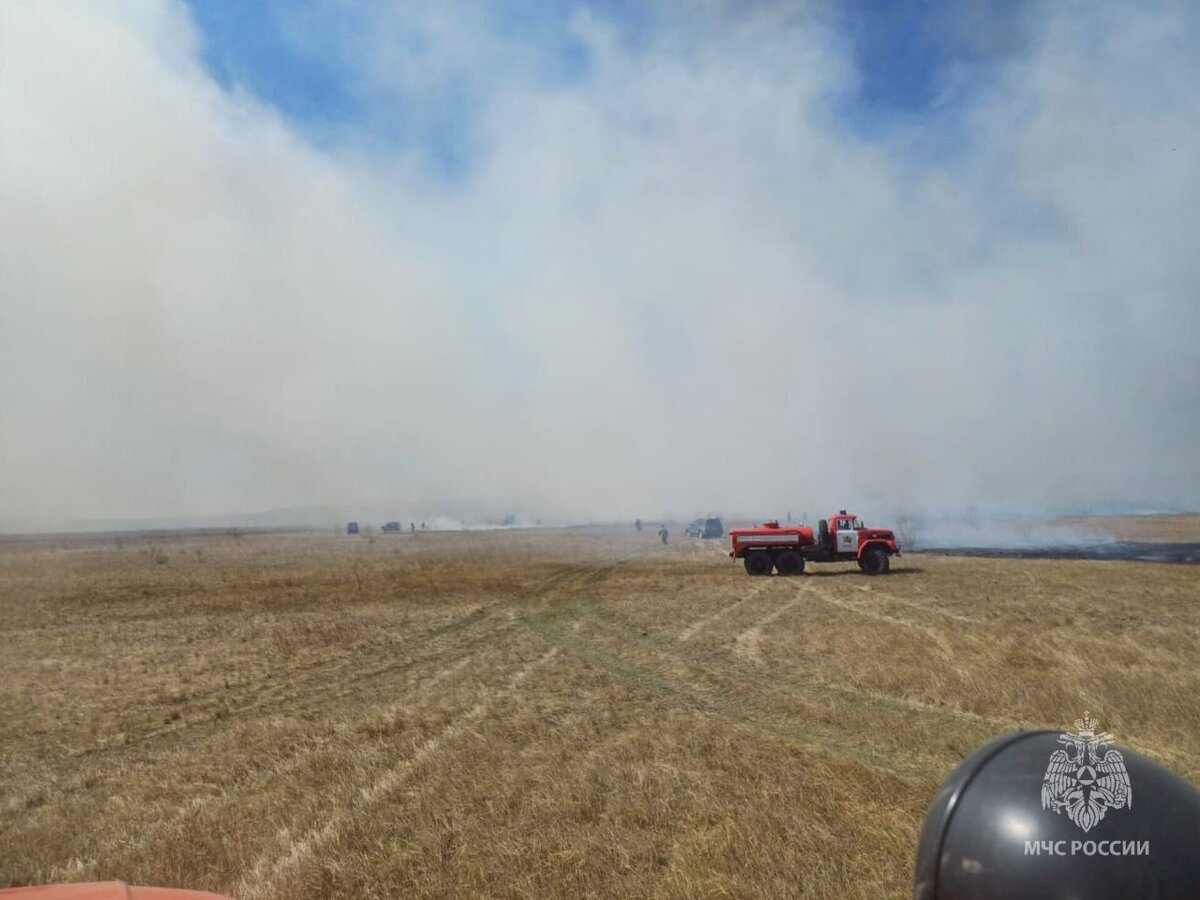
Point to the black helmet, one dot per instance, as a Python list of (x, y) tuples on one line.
[(1009, 823)]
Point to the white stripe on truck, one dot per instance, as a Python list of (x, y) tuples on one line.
[(768, 538)]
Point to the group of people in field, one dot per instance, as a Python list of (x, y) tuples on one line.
[(663, 534)]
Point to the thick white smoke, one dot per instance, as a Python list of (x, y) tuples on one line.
[(679, 283)]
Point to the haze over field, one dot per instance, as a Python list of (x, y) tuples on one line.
[(596, 260)]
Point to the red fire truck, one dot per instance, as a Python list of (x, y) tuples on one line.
[(840, 538)]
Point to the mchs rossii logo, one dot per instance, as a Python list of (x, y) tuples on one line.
[(1086, 778)]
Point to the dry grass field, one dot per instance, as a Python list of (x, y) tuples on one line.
[(539, 714), (1178, 527)]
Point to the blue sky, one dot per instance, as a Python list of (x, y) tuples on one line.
[(267, 49), (245, 46), (908, 53), (918, 65)]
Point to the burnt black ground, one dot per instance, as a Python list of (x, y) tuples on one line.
[(1120, 550)]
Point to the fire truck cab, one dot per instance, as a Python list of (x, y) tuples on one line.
[(842, 532)]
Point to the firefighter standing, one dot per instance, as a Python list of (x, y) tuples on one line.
[(662, 533)]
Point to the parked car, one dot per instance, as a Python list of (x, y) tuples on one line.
[(705, 528)]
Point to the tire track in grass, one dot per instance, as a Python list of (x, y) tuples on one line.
[(286, 764), (306, 685), (916, 705), (318, 684), (289, 763), (268, 869), (713, 693), (700, 624), (935, 636), (318, 680), (313, 686), (747, 644), (629, 632), (920, 607), (454, 645), (744, 696)]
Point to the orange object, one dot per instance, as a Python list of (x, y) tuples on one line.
[(106, 890)]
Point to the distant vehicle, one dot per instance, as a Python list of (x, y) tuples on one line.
[(840, 538), (352, 528), (705, 528), (391, 528)]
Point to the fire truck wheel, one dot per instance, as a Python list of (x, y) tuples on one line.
[(758, 563), (789, 562), (874, 561)]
